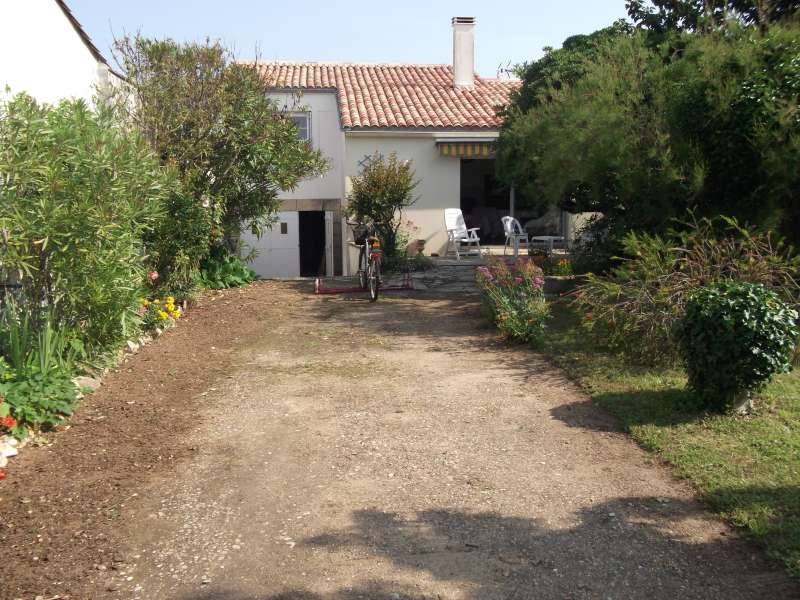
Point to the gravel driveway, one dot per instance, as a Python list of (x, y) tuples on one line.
[(395, 450)]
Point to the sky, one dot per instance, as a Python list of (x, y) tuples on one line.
[(399, 31)]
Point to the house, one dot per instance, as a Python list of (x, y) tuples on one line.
[(441, 117), (45, 52)]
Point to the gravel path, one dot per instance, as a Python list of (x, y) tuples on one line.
[(396, 450), (330, 449)]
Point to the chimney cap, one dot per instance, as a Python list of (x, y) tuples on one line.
[(463, 21)]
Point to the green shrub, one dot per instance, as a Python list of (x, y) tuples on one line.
[(558, 266), (77, 194), (35, 341), (513, 296), (35, 377), (40, 399), (734, 337), (226, 272), (406, 263), (379, 195), (634, 308), (177, 244)]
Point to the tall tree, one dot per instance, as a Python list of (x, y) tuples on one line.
[(542, 80), (211, 117), (661, 16)]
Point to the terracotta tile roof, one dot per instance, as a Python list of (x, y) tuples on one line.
[(398, 96)]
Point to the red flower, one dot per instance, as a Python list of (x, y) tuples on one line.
[(9, 422), (153, 275), (2, 474)]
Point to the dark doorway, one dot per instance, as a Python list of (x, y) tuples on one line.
[(484, 200), (312, 243)]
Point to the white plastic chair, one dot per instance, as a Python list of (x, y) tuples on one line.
[(515, 235), (457, 233)]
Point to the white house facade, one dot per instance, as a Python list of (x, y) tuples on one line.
[(443, 118), (45, 52)]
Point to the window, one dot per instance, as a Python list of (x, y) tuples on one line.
[(303, 123)]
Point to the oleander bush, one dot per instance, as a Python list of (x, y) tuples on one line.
[(78, 194), (733, 339), (512, 293)]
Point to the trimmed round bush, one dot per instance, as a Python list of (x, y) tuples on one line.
[(733, 338)]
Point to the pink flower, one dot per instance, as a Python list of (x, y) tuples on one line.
[(538, 282), (486, 273), (152, 275), (518, 280)]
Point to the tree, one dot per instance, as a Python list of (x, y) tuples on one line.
[(663, 16), (211, 118), (645, 133), (379, 195), (542, 81)]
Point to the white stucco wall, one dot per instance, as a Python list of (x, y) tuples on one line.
[(41, 54), (327, 136), (439, 179)]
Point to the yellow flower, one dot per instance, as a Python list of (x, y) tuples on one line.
[(162, 315), (156, 301), (145, 302), (170, 300)]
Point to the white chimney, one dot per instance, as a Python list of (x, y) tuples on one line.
[(463, 52)]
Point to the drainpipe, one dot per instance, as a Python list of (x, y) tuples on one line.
[(512, 199)]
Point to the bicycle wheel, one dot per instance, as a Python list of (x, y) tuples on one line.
[(374, 279), (362, 268)]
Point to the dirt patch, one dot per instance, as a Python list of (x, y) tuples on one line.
[(62, 504), (282, 446)]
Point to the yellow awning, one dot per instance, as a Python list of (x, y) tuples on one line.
[(466, 149)]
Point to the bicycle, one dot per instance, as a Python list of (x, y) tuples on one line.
[(369, 259)]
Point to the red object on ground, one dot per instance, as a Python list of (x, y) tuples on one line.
[(2, 474), (407, 284)]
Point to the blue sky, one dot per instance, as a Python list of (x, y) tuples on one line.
[(356, 30)]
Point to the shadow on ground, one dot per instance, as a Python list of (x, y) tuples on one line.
[(626, 548), (664, 408)]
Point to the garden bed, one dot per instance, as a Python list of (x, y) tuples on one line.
[(747, 467), (72, 490)]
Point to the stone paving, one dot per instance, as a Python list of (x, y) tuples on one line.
[(449, 276)]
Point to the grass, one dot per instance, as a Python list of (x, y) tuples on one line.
[(746, 467)]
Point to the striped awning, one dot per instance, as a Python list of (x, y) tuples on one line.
[(466, 149)]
